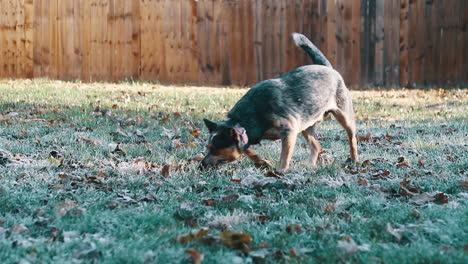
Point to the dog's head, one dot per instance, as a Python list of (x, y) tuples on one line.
[(225, 144)]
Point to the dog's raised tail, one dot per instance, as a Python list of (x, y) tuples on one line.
[(307, 45)]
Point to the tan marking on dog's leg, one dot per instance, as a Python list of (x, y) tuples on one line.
[(258, 161), (287, 148), (349, 124), (314, 147)]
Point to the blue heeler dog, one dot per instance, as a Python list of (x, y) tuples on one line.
[(281, 108)]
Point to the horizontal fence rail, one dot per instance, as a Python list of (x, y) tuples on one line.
[(234, 42)]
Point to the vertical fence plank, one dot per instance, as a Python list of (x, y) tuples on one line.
[(342, 18), (266, 39), (26, 14), (53, 39), (331, 33), (202, 40), (259, 38), (379, 42), (458, 31), (290, 50), (3, 40), (86, 40), (249, 40), (464, 62), (223, 13), (10, 39), (403, 43)]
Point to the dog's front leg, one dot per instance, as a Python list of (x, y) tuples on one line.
[(287, 148), (259, 162)]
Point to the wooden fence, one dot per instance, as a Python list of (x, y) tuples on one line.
[(222, 42)]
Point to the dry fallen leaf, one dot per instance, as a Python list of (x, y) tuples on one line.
[(405, 192), (119, 150), (195, 133), (441, 198), (208, 202), (192, 236), (330, 208), (367, 137), (363, 182), (197, 257), (166, 170), (236, 240), (293, 228)]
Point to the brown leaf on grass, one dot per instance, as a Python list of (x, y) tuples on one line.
[(421, 162), (330, 208), (366, 163), (274, 174), (192, 236), (166, 170), (388, 137), (24, 132), (176, 114), (293, 252), (441, 198), (197, 257), (165, 120), (236, 240), (405, 192), (381, 174), (263, 245), (94, 142), (405, 182), (119, 150), (293, 228), (449, 131), (346, 216), (262, 218), (367, 137), (363, 182), (403, 164), (195, 133), (208, 202)]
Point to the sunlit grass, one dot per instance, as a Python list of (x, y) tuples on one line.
[(67, 195)]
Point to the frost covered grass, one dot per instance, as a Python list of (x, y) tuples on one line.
[(108, 173)]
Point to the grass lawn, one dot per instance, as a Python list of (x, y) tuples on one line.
[(108, 173)]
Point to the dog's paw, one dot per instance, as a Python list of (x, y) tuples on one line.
[(263, 164)]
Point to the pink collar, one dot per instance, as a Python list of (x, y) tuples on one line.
[(242, 134)]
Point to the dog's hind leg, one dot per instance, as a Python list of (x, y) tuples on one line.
[(258, 161), (346, 119), (309, 135), (288, 143)]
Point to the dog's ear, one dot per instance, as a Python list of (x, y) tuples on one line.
[(240, 136), (210, 125)]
